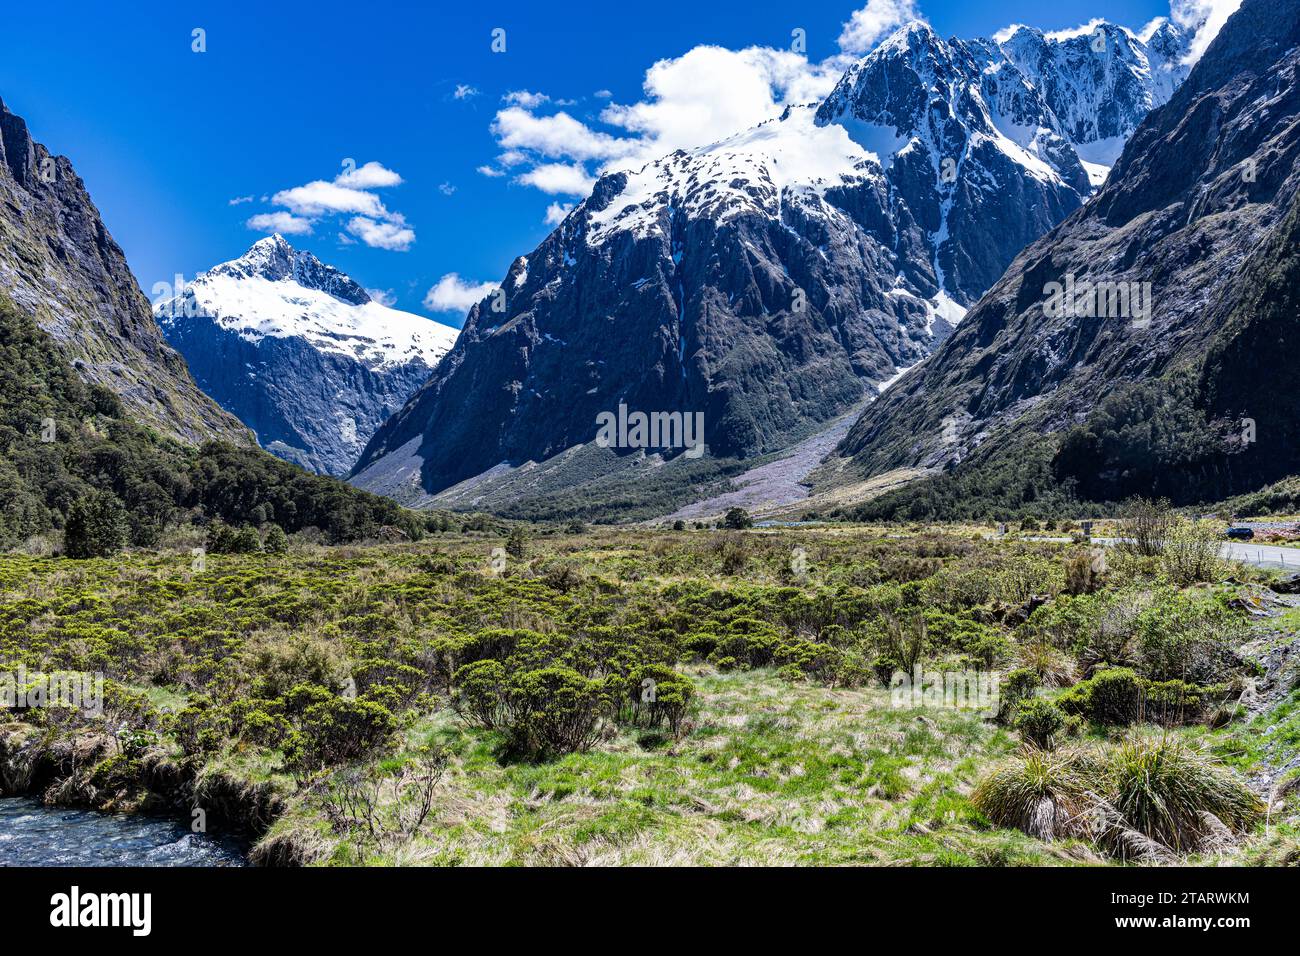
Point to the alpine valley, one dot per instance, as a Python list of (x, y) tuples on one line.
[(773, 281), (910, 479)]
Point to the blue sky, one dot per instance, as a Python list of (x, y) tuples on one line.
[(165, 138)]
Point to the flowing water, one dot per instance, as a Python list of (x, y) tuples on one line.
[(35, 835)]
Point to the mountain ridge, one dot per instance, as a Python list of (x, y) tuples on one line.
[(59, 264)]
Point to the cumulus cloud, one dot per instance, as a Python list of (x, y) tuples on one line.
[(451, 293), (1082, 29), (556, 212), (875, 21), (320, 198), (559, 178), (350, 195), (711, 92), (395, 236), (555, 136), (1205, 17), (282, 222), (529, 101), (370, 176)]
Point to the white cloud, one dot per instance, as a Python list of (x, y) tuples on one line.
[(556, 178), (454, 294), (464, 91), (320, 198), (711, 92), (239, 200), (1083, 29), (1205, 17), (529, 101), (556, 212), (1148, 31), (349, 195), (383, 296), (446, 189), (555, 136), (283, 222), (871, 24), (394, 236), (490, 171), (370, 176)]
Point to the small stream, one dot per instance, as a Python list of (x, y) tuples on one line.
[(32, 834)]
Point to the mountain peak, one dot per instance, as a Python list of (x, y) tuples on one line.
[(274, 259)]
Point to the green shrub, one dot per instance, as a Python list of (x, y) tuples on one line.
[(1019, 685), (223, 539), (1113, 697), (658, 696), (96, 526), (1039, 722), (737, 519), (338, 730), (1173, 702), (543, 713), (276, 541), (517, 543)]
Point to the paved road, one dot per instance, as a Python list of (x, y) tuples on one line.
[(1264, 555)]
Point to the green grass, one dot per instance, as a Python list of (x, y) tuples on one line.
[(790, 751)]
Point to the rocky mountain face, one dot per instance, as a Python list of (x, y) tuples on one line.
[(1101, 83), (767, 282), (300, 352), (1150, 336), (59, 264)]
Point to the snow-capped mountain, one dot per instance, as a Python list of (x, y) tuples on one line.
[(1201, 216), (771, 280), (1101, 83), (300, 352)]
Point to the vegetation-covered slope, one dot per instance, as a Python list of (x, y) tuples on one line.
[(62, 440), (60, 265)]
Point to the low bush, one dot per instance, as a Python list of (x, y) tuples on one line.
[(1039, 722)]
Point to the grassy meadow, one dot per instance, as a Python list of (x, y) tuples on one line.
[(653, 697)]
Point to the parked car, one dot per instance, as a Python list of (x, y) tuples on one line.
[(1241, 534)]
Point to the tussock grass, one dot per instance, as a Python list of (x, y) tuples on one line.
[(1149, 797)]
